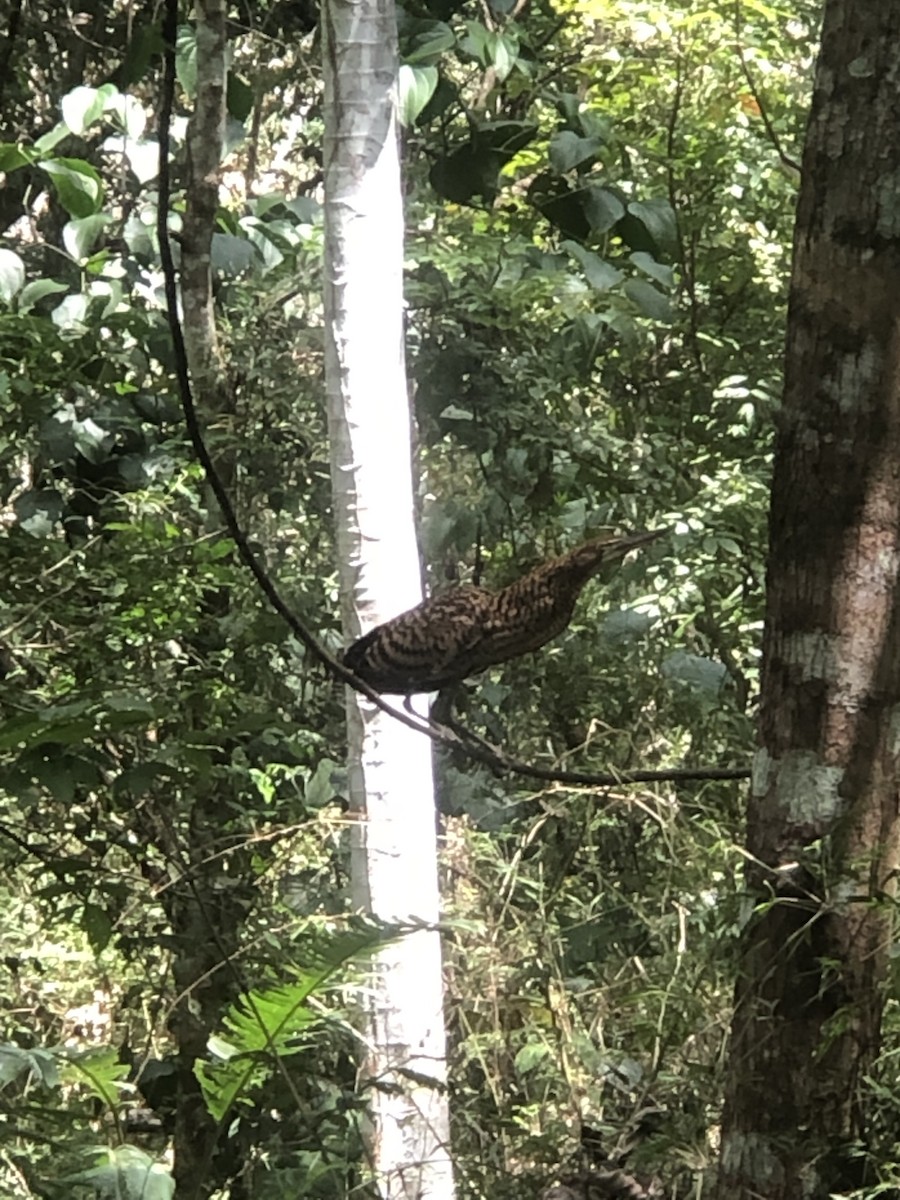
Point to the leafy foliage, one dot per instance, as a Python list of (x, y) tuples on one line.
[(598, 232)]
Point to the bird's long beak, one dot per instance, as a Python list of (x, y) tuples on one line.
[(631, 540)]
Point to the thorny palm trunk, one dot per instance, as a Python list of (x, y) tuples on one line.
[(394, 866), (823, 823)]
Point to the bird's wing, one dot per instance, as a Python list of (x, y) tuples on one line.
[(424, 648), (444, 628)]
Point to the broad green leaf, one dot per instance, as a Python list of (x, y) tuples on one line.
[(37, 290), (476, 42), (37, 1063), (625, 623), (657, 218), (568, 150), (232, 255), (602, 207), (92, 440), (51, 139), (38, 511), (129, 113), (647, 263), (531, 1055), (427, 42), (70, 314), (80, 234), (502, 50), (416, 86), (454, 413), (100, 1070), (12, 274), (186, 58), (128, 1173), (599, 274), (143, 156), (649, 300), (146, 41), (97, 926), (12, 156), (324, 784), (78, 186), (84, 105), (504, 137), (110, 292)]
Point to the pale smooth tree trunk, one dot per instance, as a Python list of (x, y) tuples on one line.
[(823, 819), (392, 793)]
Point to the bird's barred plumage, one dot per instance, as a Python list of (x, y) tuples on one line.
[(447, 638)]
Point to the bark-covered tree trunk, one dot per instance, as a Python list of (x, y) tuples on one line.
[(823, 821), (206, 917), (394, 857)]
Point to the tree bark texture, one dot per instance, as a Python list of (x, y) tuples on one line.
[(206, 917), (391, 787), (823, 820)]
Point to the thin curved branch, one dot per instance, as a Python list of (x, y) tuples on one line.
[(785, 158), (441, 736)]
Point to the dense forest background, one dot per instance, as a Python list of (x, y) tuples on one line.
[(599, 203)]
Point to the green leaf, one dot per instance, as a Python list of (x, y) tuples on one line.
[(70, 314), (445, 94), (51, 139), (38, 512), (657, 217), (80, 235), (38, 1064), (502, 50), (602, 207), (186, 58), (35, 291), (467, 172), (129, 113), (276, 1020), (323, 786), (647, 263), (531, 1055), (599, 274), (427, 42), (12, 274), (568, 150), (78, 186), (146, 41), (417, 85), (127, 1173), (100, 1070), (232, 255), (97, 926), (476, 42), (504, 137), (454, 413), (651, 302), (625, 623), (84, 105), (12, 157)]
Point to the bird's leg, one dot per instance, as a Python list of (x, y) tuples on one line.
[(441, 712), (442, 717)]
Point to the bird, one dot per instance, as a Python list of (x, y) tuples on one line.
[(447, 638)]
